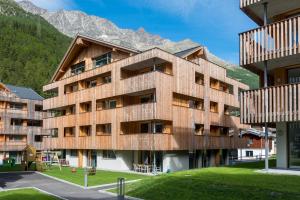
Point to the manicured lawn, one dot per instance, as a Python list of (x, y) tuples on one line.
[(238, 182), (101, 177), (25, 194)]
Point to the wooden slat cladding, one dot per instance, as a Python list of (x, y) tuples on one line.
[(245, 3), (159, 142), (282, 104), (273, 41)]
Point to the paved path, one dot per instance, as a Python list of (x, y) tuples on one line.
[(67, 191)]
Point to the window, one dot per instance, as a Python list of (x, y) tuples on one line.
[(86, 107), (249, 153), (16, 122), (102, 60), (69, 132), (16, 138), (73, 153), (199, 129), (145, 127), (213, 107), (37, 123), (85, 131), (108, 104), (199, 78), (17, 106), (91, 83), (54, 132), (250, 141), (195, 104), (147, 98), (106, 79), (103, 129), (38, 108), (38, 138), (159, 127), (78, 68), (109, 154)]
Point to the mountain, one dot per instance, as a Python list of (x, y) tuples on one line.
[(72, 22), (30, 47)]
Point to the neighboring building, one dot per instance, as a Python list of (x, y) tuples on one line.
[(256, 144), (273, 50), (113, 107), (21, 120)]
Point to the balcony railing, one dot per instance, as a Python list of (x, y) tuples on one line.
[(245, 3), (12, 146), (273, 104), (273, 41)]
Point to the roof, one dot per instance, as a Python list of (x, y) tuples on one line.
[(91, 40), (24, 93), (187, 52), (256, 132)]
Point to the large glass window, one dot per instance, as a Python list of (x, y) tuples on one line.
[(102, 60), (294, 144)]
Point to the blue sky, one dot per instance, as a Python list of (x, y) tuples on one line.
[(213, 23)]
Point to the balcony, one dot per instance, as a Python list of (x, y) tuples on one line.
[(282, 104), (12, 146), (274, 43), (139, 112), (277, 9)]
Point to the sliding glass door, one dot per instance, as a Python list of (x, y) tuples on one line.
[(294, 144)]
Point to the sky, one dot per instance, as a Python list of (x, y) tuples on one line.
[(213, 23)]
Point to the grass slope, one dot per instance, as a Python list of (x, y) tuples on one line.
[(30, 47), (25, 194), (244, 76), (239, 182), (101, 177)]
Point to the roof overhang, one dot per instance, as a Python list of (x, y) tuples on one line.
[(80, 42)]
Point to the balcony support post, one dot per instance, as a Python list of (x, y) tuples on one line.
[(266, 94), (154, 124)]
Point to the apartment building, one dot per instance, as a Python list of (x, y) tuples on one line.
[(113, 107), (21, 119), (272, 51)]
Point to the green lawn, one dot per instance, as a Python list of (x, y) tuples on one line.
[(238, 182), (25, 194), (101, 177)]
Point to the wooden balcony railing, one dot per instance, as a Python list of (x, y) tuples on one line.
[(146, 141), (273, 104), (245, 3), (12, 146), (273, 41)]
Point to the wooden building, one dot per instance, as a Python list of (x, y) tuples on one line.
[(113, 106), (21, 119), (273, 50)]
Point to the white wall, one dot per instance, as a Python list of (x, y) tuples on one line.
[(123, 161), (256, 153), (281, 145), (84, 158), (73, 160), (175, 161), (1, 158)]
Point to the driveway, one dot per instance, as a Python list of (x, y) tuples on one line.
[(67, 191)]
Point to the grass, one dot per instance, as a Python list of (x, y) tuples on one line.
[(238, 182), (25, 194), (17, 167), (101, 177)]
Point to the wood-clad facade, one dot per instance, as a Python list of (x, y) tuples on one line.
[(140, 101), (273, 51), (20, 121)]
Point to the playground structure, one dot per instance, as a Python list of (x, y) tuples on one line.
[(42, 160)]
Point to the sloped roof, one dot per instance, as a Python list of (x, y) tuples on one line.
[(187, 52), (24, 93)]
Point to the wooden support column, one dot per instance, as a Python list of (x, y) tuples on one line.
[(80, 157)]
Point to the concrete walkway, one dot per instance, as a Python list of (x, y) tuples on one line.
[(31, 179), (280, 172)]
